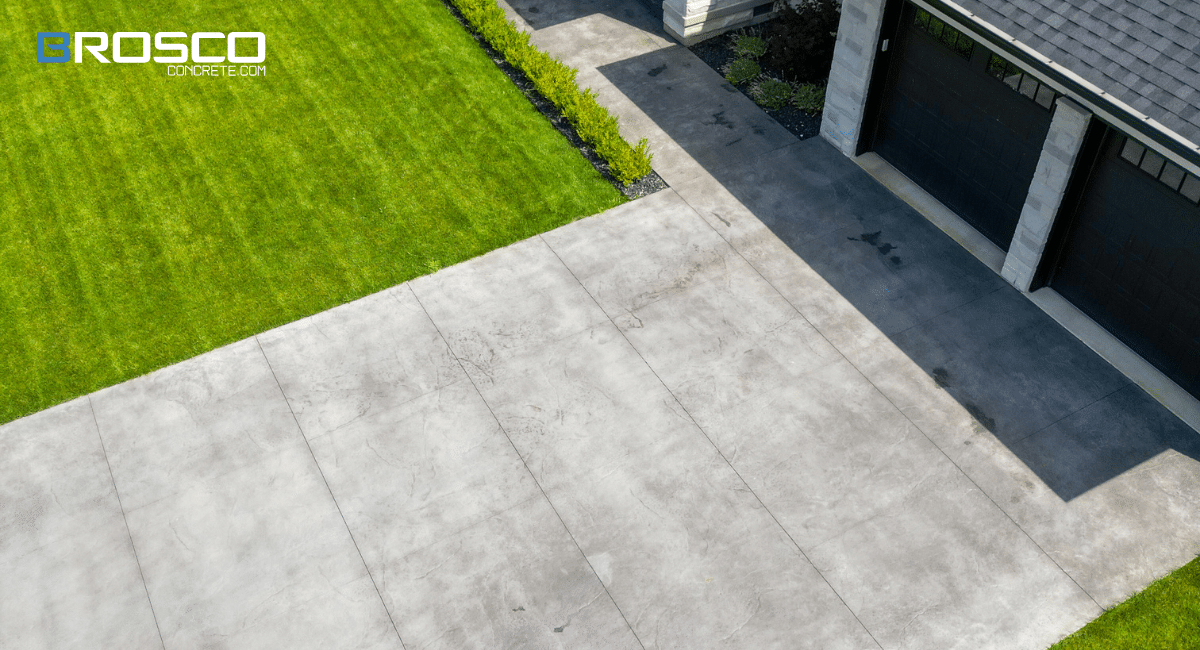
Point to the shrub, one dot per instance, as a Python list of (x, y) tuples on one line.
[(741, 71), (802, 39), (747, 46), (771, 93), (809, 98), (556, 82)]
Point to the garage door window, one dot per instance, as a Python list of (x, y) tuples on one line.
[(1167, 172), (958, 42), (1021, 81)]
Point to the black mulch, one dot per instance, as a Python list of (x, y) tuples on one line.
[(718, 50)]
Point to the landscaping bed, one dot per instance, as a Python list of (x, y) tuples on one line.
[(782, 64), (717, 53)]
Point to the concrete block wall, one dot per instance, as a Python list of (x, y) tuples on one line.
[(692, 21), (850, 76), (1042, 204)]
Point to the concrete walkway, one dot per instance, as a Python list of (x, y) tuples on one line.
[(771, 407)]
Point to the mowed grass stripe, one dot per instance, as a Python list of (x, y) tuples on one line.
[(1163, 616), (147, 218)]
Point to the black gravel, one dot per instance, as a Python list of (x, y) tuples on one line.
[(717, 51), (644, 186)]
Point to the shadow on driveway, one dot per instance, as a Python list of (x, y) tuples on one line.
[(541, 14), (1057, 405)]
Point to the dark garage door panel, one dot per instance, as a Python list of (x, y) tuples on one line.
[(969, 140), (1131, 261)]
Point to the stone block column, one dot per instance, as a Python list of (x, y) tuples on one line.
[(850, 76), (692, 21), (1042, 204)]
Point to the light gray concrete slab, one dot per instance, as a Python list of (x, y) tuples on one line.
[(499, 304), (515, 579), (831, 313), (945, 568), (1115, 535), (825, 453), (258, 557), (409, 476), (661, 516), (193, 422), (79, 592), (236, 532), (70, 574), (583, 404), (726, 340), (609, 253), (54, 479), (439, 468), (362, 358)]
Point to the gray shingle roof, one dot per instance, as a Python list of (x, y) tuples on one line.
[(1144, 52)]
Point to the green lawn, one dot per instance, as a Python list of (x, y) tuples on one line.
[(145, 219), (1163, 616)]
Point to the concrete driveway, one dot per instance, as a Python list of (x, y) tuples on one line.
[(771, 407)]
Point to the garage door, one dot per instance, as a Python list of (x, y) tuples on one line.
[(1131, 257), (962, 123)]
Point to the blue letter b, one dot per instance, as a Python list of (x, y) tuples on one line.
[(65, 48)]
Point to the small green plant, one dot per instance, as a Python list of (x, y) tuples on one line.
[(741, 71), (809, 98), (771, 93), (747, 46)]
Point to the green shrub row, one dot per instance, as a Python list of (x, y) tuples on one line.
[(556, 81)]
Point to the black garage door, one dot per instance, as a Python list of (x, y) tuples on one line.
[(961, 122), (1131, 257)]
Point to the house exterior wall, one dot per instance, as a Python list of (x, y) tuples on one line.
[(850, 75), (692, 21), (1042, 204)]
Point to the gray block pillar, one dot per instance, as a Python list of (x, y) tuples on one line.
[(850, 76), (1045, 196), (692, 21)]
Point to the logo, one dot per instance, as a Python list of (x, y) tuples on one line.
[(55, 47), (64, 48)]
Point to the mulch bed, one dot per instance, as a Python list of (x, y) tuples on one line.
[(718, 50)]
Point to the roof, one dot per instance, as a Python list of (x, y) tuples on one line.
[(1146, 53)]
